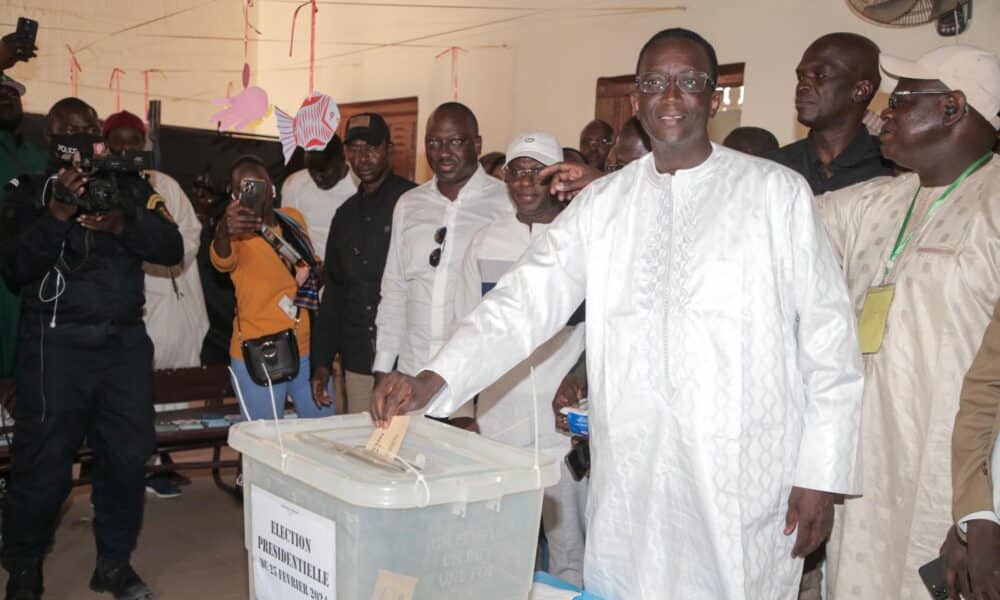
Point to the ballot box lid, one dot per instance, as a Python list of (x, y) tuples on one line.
[(443, 464)]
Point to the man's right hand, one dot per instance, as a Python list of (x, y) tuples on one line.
[(398, 394), (239, 221), (956, 567), (569, 394), (319, 381), (73, 181), (15, 47), (984, 558), (568, 179)]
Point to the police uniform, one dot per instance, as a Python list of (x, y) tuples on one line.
[(85, 363)]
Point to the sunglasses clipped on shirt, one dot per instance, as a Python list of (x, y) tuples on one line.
[(439, 236)]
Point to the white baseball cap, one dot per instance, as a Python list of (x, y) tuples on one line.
[(541, 146), (974, 72)]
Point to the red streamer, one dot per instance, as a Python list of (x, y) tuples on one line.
[(247, 5), (116, 83), (312, 39), (74, 68), (454, 50)]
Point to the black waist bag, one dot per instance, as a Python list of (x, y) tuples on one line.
[(274, 356)]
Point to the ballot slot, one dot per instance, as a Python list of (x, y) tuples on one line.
[(455, 465)]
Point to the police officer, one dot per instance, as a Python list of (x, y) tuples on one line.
[(85, 358)]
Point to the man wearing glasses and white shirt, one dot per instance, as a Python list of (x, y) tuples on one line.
[(432, 226)]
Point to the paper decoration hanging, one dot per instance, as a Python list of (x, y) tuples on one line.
[(312, 38), (247, 26), (249, 105), (116, 83), (242, 109), (313, 126), (74, 69), (454, 50)]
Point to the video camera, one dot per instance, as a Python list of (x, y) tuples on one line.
[(109, 175)]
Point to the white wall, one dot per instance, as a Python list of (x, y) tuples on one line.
[(537, 71), (556, 68), (196, 70)]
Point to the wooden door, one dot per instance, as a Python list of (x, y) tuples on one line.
[(400, 115), (614, 102)]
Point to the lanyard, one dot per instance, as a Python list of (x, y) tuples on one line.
[(901, 241)]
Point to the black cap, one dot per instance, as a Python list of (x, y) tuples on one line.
[(369, 127)]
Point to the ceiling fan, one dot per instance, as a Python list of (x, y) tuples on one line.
[(952, 16)]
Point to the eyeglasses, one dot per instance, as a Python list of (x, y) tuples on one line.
[(689, 82), (611, 167), (518, 174), (594, 142), (454, 143), (439, 236), (895, 96)]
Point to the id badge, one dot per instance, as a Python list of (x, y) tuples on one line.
[(874, 318), (286, 304)]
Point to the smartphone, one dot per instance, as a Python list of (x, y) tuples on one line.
[(932, 575), (252, 195), (578, 460), (28, 29)]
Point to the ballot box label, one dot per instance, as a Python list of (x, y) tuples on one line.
[(293, 550)]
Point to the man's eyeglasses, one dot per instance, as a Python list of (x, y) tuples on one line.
[(518, 174), (594, 142), (454, 143), (435, 257), (689, 82), (895, 96)]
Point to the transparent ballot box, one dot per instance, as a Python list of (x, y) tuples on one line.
[(455, 517)]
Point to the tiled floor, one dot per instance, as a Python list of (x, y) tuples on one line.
[(190, 548)]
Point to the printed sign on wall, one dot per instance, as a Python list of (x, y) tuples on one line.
[(293, 550)]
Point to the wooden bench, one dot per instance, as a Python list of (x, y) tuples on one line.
[(207, 392)]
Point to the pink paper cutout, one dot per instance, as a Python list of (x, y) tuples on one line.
[(242, 109)]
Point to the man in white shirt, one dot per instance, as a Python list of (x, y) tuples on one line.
[(505, 408), (175, 313), (432, 226), (319, 190), (724, 377)]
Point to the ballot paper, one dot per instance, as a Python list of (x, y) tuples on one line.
[(393, 586), (386, 442)]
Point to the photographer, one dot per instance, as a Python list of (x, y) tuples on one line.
[(72, 243), (269, 293)]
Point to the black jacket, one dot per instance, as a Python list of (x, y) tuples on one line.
[(353, 266), (101, 276)]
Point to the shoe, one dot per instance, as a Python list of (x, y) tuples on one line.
[(162, 487), (118, 579), (25, 581)]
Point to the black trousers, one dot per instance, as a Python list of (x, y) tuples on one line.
[(79, 381)]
